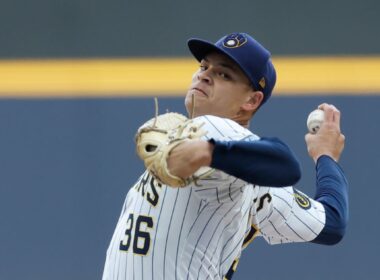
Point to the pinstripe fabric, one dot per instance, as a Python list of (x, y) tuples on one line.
[(283, 220), (197, 232)]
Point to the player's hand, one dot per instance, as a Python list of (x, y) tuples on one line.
[(328, 140), (186, 158)]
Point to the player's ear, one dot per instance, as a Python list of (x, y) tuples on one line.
[(253, 101)]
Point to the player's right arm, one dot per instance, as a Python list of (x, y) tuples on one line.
[(265, 162), (237, 152)]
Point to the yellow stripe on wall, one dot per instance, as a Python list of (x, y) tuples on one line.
[(95, 77), (171, 77), (340, 75)]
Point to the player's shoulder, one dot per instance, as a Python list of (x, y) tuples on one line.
[(224, 128)]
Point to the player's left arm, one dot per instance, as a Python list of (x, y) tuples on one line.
[(288, 215), (325, 148), (332, 193)]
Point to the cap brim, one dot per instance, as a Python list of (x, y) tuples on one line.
[(200, 48)]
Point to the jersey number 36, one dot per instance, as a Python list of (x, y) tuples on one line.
[(136, 233)]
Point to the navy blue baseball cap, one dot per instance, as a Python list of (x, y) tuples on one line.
[(245, 51)]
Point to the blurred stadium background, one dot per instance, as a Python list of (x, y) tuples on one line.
[(77, 79)]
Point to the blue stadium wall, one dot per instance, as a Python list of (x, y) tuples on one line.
[(67, 162)]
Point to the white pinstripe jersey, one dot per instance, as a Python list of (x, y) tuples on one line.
[(197, 232)]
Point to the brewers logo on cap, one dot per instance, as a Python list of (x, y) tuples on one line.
[(234, 40)]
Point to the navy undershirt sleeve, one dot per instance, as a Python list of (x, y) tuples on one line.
[(265, 162), (332, 192)]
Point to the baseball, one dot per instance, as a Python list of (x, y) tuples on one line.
[(314, 120)]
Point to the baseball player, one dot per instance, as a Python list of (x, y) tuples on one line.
[(199, 231)]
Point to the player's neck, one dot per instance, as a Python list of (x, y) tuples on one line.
[(243, 121)]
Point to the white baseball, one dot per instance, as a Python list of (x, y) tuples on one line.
[(314, 120)]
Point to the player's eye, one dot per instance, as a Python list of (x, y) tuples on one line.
[(203, 67), (224, 75)]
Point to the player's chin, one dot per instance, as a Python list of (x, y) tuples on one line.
[(199, 107)]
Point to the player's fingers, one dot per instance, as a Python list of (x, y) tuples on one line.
[(326, 107), (337, 116), (329, 113), (322, 106)]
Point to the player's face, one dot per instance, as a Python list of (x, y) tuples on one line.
[(219, 87)]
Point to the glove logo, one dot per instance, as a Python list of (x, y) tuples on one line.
[(302, 200), (234, 40)]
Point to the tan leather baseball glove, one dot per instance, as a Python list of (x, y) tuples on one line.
[(158, 136)]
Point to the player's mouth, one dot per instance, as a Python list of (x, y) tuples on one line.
[(199, 91)]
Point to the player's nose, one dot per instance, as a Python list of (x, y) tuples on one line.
[(204, 76)]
